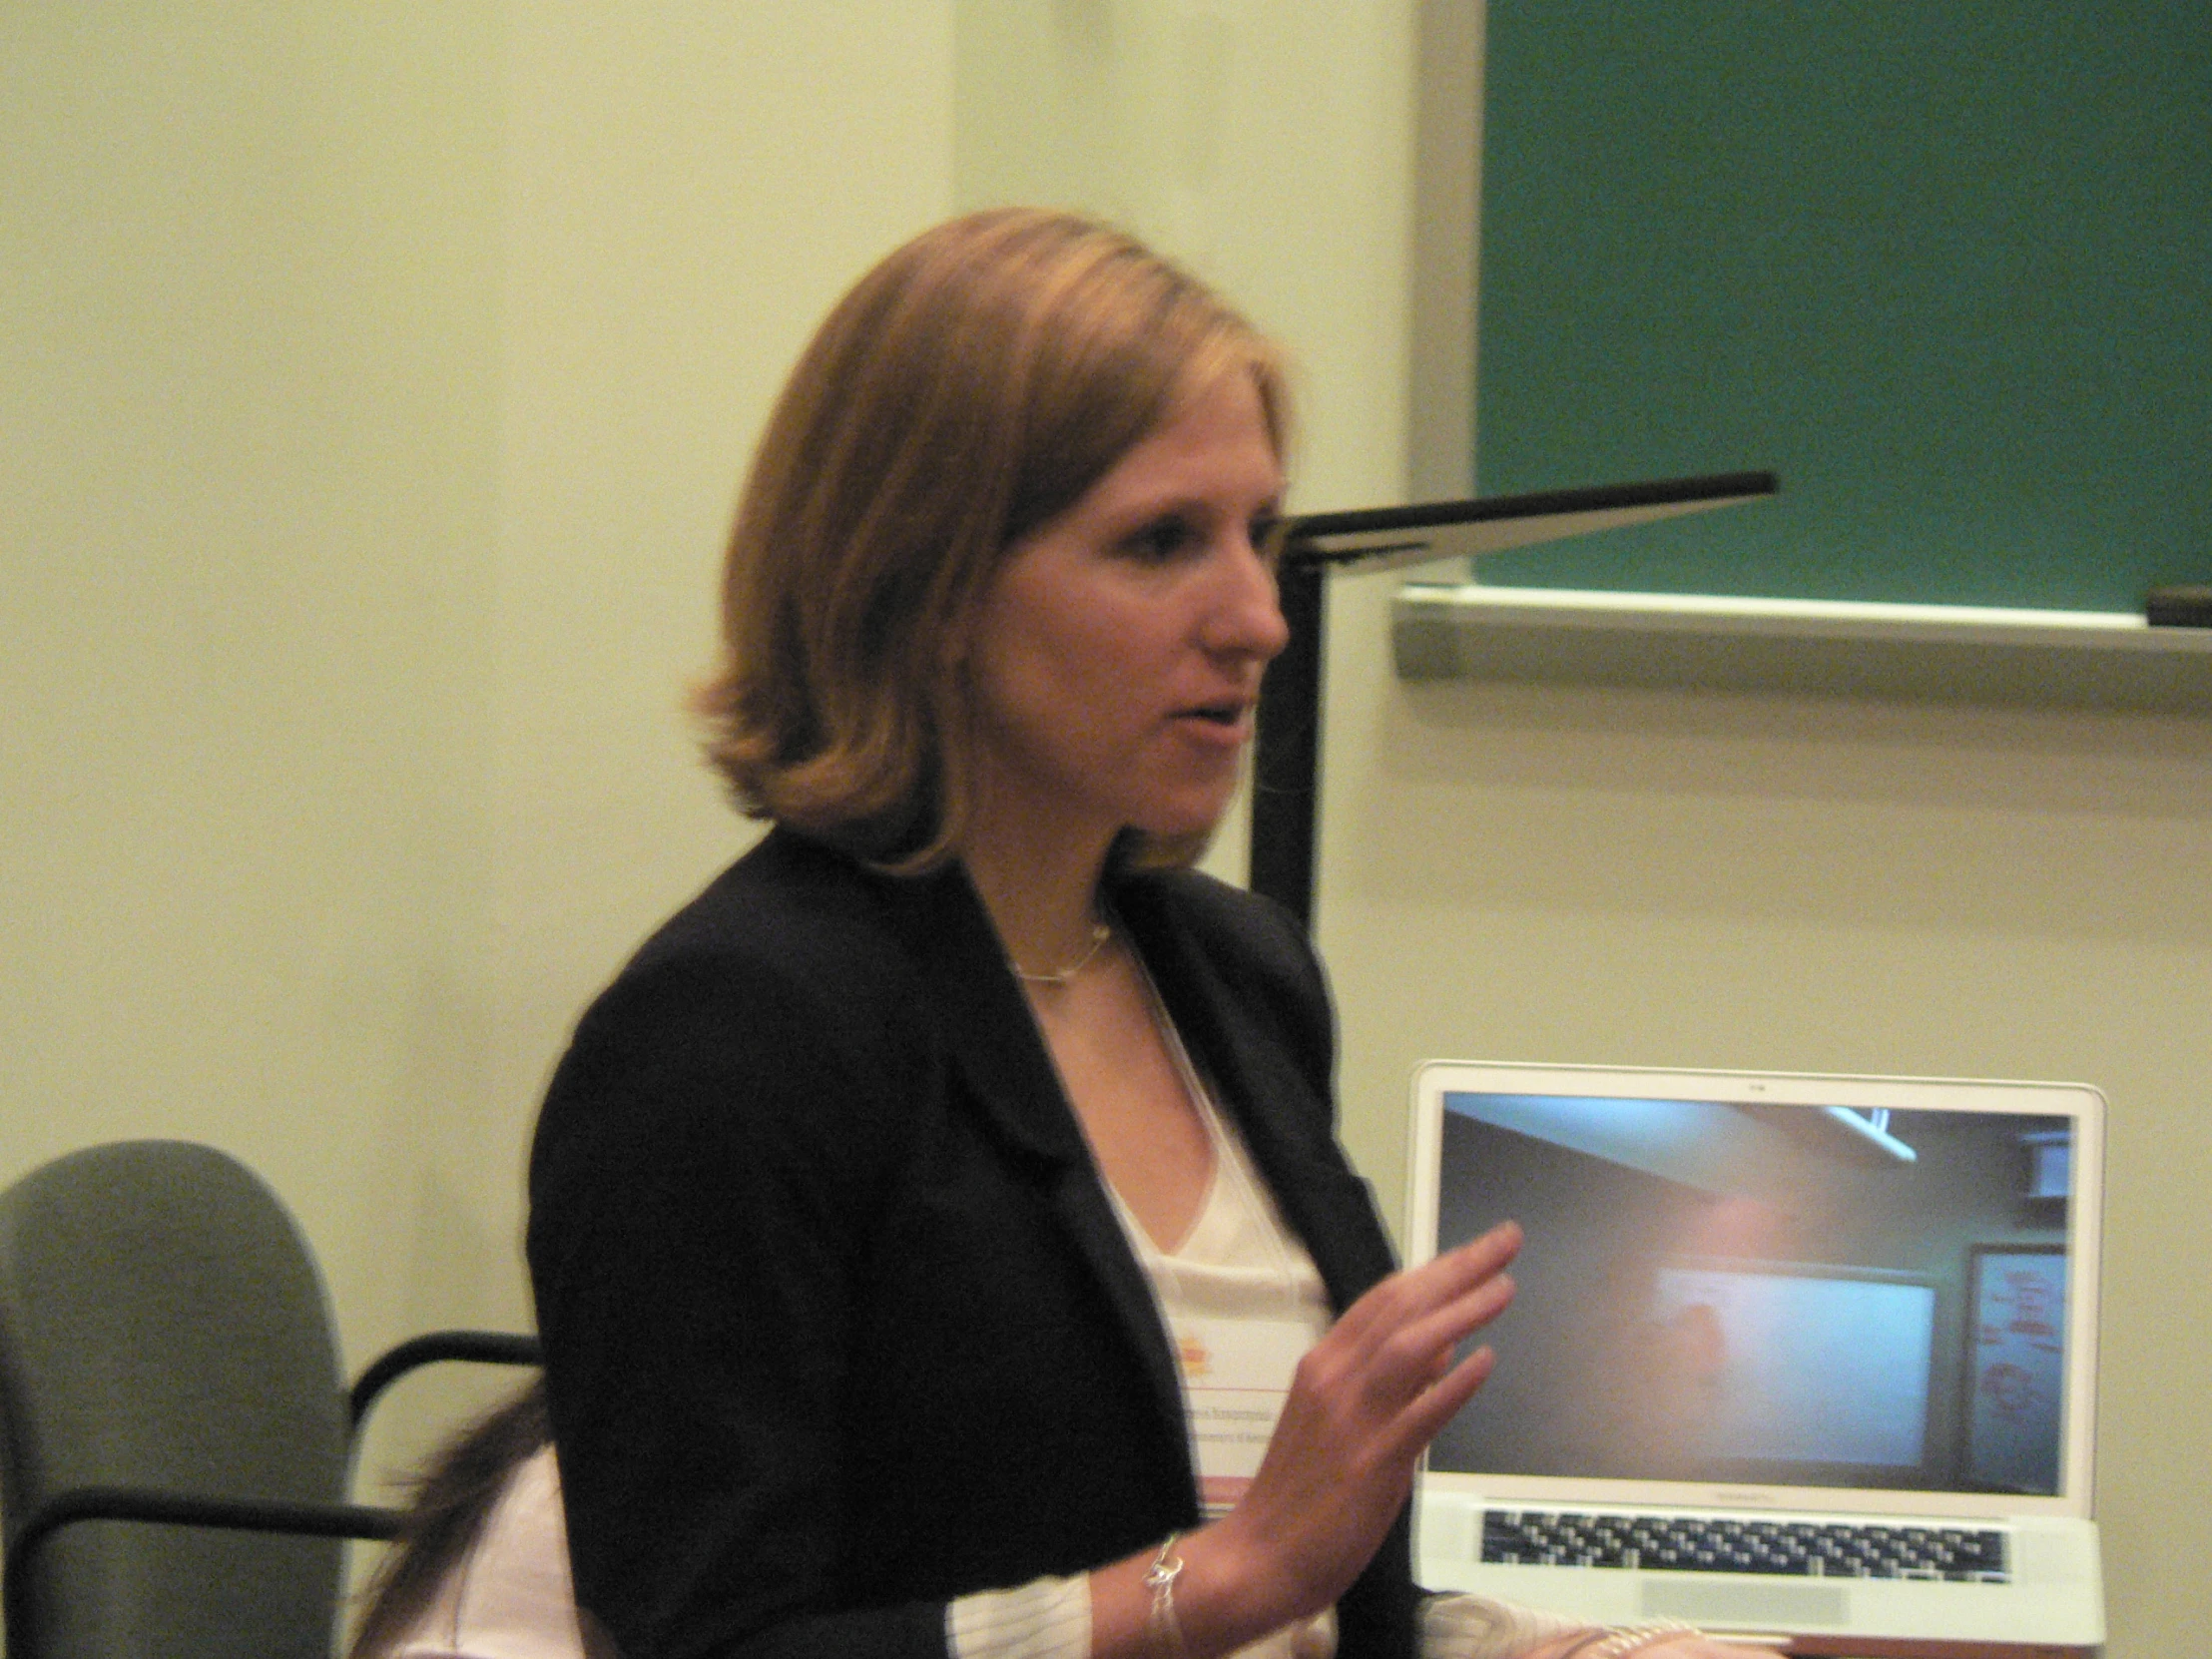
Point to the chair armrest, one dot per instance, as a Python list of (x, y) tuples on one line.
[(148, 1504), (492, 1347)]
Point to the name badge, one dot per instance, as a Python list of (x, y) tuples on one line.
[(1235, 1374)]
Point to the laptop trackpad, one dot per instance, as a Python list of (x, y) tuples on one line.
[(1756, 1606)]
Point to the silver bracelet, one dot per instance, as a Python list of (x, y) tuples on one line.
[(1160, 1624), (1630, 1638)]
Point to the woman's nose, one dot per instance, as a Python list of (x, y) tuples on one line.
[(1248, 615)]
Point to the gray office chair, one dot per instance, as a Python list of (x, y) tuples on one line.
[(175, 1437)]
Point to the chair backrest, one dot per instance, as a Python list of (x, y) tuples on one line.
[(163, 1325)]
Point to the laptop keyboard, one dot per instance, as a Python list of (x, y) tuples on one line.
[(1694, 1544)]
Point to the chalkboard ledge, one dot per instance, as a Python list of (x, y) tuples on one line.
[(1921, 652)]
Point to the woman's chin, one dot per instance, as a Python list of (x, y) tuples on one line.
[(1185, 822)]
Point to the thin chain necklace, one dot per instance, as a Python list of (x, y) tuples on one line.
[(1061, 977)]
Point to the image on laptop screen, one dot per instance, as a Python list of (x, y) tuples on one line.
[(1760, 1294)]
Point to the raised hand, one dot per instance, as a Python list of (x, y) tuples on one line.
[(1363, 1404)]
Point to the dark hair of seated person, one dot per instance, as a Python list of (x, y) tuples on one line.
[(452, 1498)]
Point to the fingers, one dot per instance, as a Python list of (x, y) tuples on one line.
[(1387, 1375), (1364, 1403), (1425, 1417), (1427, 1311), (1434, 1284), (1445, 1326), (1391, 1361), (1473, 1261)]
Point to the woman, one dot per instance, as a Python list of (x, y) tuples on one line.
[(888, 1205)]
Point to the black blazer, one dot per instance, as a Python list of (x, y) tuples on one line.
[(838, 1322)]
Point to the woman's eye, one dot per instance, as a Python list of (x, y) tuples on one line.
[(1265, 532), (1165, 540)]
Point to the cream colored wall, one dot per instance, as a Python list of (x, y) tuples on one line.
[(687, 190), (376, 381), (248, 466)]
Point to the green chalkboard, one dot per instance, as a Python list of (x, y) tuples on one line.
[(1946, 267)]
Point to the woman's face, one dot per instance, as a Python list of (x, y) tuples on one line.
[(1119, 648)]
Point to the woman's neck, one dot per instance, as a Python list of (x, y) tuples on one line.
[(1042, 897)]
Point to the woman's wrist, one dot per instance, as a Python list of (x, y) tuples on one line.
[(1224, 1596), (1194, 1595), (1163, 1629)]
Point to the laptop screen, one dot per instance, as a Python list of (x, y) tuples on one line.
[(1840, 1284)]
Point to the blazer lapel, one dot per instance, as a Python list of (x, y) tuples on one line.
[(1287, 1126), (995, 1045)]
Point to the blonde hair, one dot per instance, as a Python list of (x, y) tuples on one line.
[(969, 388)]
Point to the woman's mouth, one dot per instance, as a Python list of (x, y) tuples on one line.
[(1227, 722)]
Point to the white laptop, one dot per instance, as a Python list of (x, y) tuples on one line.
[(1791, 1355)]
